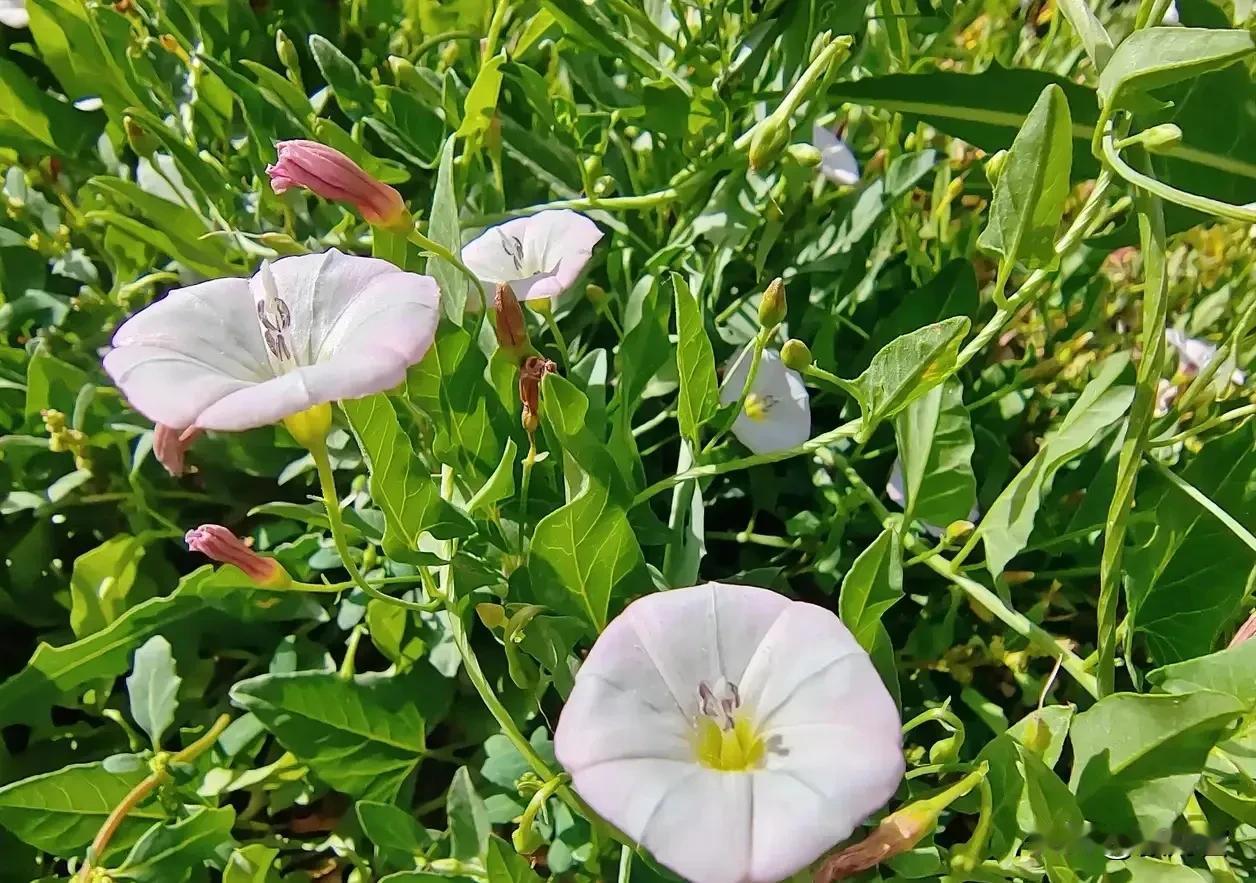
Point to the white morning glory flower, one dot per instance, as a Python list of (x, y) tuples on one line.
[(233, 354), (777, 413), (837, 160), (894, 489), (733, 733), (1194, 355), (13, 13), (539, 256)]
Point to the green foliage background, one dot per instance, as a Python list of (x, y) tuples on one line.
[(1004, 341)]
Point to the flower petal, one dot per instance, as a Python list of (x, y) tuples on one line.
[(13, 13), (787, 420), (837, 160), (178, 356), (540, 256), (323, 294)]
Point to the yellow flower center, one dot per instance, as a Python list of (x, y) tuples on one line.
[(733, 750), (757, 406)]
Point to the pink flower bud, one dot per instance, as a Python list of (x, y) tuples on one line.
[(217, 542), (171, 444), (1245, 632), (330, 174)]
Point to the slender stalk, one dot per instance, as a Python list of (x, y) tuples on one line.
[(1018, 622), (137, 795), (331, 502), (1036, 282), (1152, 237), (560, 342), (1212, 422), (431, 245), (494, 31), (811, 446)]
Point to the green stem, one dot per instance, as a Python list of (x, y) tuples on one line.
[(1036, 282), (1212, 422), (756, 359), (1146, 182), (159, 776), (1152, 238), (434, 247), (331, 502), (494, 30), (1015, 620), (811, 446), (560, 342)]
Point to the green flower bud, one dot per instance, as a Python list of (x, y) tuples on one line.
[(404, 73), (957, 531), (592, 166), (288, 57), (796, 354), (1162, 138), (770, 138), (946, 750), (772, 306), (604, 186), (281, 242), (140, 139), (596, 294), (994, 167), (806, 155)]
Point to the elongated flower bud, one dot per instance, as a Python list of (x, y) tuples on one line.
[(772, 306), (141, 140), (512, 330), (1245, 632), (769, 140), (220, 544), (897, 833), (328, 173)]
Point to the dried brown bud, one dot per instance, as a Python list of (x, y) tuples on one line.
[(531, 373), (512, 331)]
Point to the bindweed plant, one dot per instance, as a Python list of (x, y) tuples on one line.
[(500, 440)]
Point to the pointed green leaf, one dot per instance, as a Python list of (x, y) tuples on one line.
[(153, 688), (907, 368), (1156, 57), (935, 445), (695, 362), (872, 586), (362, 736), (1029, 196)]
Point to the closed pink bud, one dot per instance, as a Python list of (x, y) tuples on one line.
[(330, 174), (170, 446), (220, 544), (1246, 631)]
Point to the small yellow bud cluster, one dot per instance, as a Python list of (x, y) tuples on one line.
[(63, 439)]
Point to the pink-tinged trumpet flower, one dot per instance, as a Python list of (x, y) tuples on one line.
[(539, 256), (170, 446), (328, 173), (234, 354), (733, 733), (219, 544)]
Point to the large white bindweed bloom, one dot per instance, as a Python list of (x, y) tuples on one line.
[(837, 160), (539, 256), (777, 412), (733, 733), (233, 354), (13, 14), (1195, 355)]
